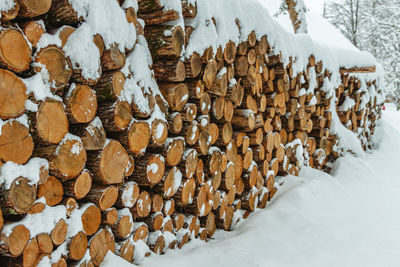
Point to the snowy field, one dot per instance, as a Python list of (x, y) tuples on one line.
[(349, 218)]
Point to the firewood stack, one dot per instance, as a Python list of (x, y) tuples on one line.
[(88, 168)]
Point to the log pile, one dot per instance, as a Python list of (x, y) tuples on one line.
[(87, 170)]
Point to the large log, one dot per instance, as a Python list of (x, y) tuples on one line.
[(33, 8), (12, 95), (15, 52)]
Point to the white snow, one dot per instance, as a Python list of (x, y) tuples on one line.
[(348, 218), (127, 194), (83, 52), (42, 222), (10, 171), (130, 3), (6, 5), (38, 85), (152, 168), (104, 17), (177, 180), (48, 39)]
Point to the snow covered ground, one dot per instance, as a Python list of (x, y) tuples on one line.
[(349, 218)]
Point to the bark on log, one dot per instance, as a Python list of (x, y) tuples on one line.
[(79, 187), (161, 44), (19, 198), (93, 135)]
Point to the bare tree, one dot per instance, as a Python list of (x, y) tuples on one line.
[(297, 12), (347, 16)]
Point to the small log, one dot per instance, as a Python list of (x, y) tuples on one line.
[(202, 202), (143, 205), (210, 73), (241, 66), (165, 40), (126, 250), (157, 203), (224, 217), (93, 135), (137, 138), (79, 187), (108, 165), (368, 69), (128, 195), (159, 132), (156, 242), (175, 94), (244, 119), (81, 104), (188, 166), (194, 66), (110, 85), (16, 144), (59, 232), (149, 170), (189, 11), (170, 71), (140, 231), (19, 198), (213, 132), (175, 123), (52, 190), (33, 30), (159, 17), (100, 244), (38, 246), (58, 66), (11, 13), (103, 196), (67, 159), (112, 58), (115, 117), (230, 52), (185, 193), (203, 103), (124, 225), (91, 219), (62, 13), (109, 216)]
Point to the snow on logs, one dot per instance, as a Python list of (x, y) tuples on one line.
[(120, 143)]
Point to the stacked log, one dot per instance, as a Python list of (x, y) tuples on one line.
[(88, 168)]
